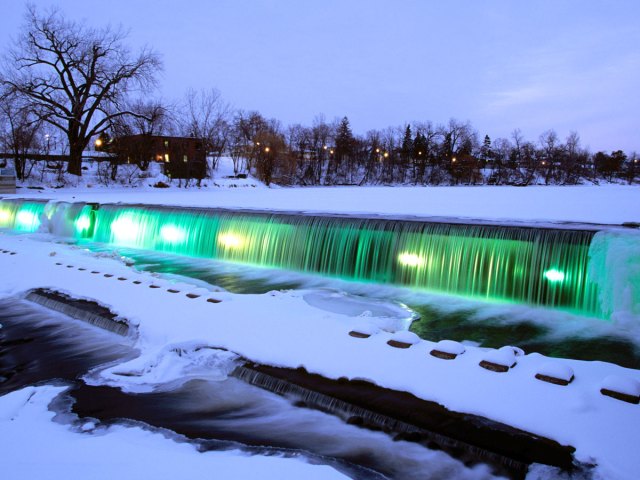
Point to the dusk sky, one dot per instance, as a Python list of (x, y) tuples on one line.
[(536, 65)]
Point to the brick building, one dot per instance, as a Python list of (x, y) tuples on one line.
[(182, 157)]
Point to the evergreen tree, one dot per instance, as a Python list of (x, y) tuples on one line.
[(344, 148)]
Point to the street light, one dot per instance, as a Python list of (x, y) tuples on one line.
[(266, 149)]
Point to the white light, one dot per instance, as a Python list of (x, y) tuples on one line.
[(230, 240), (27, 219), (410, 260), (5, 216), (124, 229), (554, 275), (83, 223), (172, 234)]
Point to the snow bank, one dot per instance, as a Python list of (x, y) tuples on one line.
[(34, 446), (283, 329), (607, 205)]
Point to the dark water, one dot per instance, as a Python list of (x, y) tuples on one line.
[(537, 333), (37, 346)]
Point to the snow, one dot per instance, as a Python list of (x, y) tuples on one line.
[(405, 336), (555, 369), (502, 356), (626, 385), (35, 446), (606, 204), (282, 328), (450, 346)]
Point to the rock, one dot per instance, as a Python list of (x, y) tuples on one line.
[(364, 330), (621, 388), (403, 339), (500, 360), (447, 349), (555, 372)]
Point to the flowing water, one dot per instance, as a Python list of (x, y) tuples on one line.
[(536, 266), (38, 346)]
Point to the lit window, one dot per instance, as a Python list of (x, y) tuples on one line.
[(166, 144), (166, 157), (185, 158)]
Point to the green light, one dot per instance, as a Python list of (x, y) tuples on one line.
[(172, 234), (410, 260), (554, 275)]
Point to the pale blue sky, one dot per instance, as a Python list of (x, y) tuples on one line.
[(533, 65)]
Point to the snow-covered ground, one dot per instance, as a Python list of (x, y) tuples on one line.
[(606, 204), (307, 328), (35, 446), (294, 328)]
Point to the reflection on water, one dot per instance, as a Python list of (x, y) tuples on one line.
[(552, 333)]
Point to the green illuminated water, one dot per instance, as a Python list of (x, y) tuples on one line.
[(24, 216), (535, 266), (493, 263)]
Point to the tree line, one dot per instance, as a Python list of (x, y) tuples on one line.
[(63, 85)]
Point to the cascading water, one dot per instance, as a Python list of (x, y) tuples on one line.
[(530, 265)]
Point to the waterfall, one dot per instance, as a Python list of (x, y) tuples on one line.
[(21, 215), (84, 310), (497, 263), (466, 437), (537, 266)]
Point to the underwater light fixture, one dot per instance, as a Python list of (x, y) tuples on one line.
[(230, 240), (172, 234), (83, 223), (5, 216), (27, 220), (124, 229), (554, 275), (410, 260)]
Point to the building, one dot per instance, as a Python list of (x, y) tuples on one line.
[(182, 157)]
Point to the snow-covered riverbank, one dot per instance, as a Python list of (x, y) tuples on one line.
[(287, 329)]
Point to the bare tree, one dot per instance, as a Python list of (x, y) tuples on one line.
[(19, 131), (207, 117), (75, 77)]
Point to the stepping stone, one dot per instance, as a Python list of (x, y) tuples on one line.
[(500, 360), (154, 286), (58, 263), (69, 266), (193, 295), (95, 271), (137, 282), (555, 372), (621, 388), (171, 290), (447, 349), (364, 331), (213, 300), (81, 269), (403, 339), (121, 278), (108, 275)]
